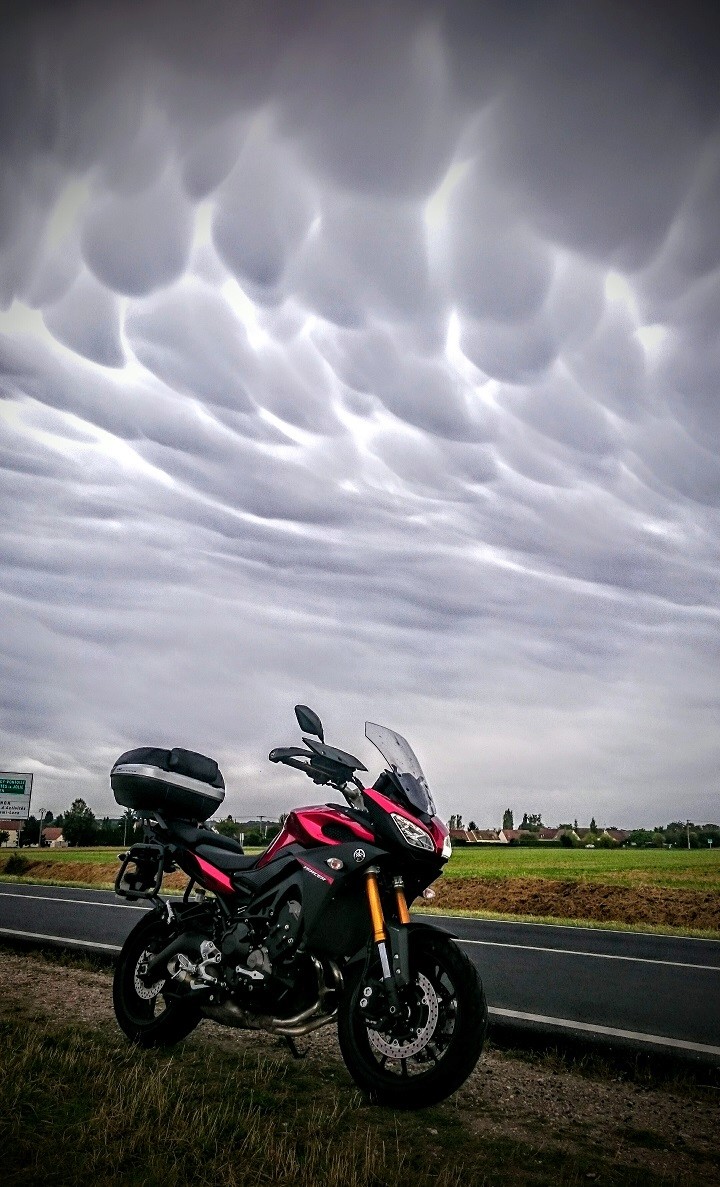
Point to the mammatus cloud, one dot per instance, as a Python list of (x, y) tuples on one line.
[(367, 358)]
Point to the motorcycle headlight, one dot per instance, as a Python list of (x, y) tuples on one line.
[(447, 848), (413, 834)]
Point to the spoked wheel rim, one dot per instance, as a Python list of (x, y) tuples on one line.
[(418, 1045)]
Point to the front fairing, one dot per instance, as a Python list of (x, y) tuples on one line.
[(381, 808)]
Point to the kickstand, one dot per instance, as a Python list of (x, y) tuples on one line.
[(293, 1048)]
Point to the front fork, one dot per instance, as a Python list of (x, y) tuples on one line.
[(391, 939)]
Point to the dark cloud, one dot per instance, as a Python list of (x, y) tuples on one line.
[(366, 357)]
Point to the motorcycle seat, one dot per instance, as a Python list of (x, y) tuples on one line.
[(192, 836), (223, 860)]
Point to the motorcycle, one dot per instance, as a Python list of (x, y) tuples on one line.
[(314, 930)]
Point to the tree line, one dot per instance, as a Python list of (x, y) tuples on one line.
[(80, 826), (678, 834)]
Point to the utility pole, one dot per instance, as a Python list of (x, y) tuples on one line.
[(40, 827), (687, 829)]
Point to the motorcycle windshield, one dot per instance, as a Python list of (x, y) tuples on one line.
[(402, 760)]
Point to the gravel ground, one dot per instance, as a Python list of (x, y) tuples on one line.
[(664, 1127)]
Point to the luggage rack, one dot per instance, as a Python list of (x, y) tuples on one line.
[(141, 872)]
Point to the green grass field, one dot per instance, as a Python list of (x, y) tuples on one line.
[(691, 869)]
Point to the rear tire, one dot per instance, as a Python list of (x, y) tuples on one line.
[(449, 1024), (142, 1011)]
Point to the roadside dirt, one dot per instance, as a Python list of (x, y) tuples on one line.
[(673, 907), (658, 1128)]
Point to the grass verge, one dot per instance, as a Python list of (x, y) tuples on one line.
[(82, 1108)]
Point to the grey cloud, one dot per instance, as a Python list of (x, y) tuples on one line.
[(389, 127), (678, 463), (596, 72), (498, 267), (610, 366), (290, 491), (263, 211), (366, 257), (191, 340), (210, 160), (137, 243), (559, 409), (87, 319)]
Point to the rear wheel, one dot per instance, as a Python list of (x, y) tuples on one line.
[(145, 1010), (423, 1056)]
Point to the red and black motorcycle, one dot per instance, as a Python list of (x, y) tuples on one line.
[(313, 930)]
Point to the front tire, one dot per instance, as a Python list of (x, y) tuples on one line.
[(142, 1010), (446, 1020)]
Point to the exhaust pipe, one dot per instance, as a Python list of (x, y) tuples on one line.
[(229, 1013)]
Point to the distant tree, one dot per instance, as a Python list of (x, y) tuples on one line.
[(129, 827), (640, 837), (531, 822), (593, 826), (566, 840), (456, 821), (79, 824), (30, 832), (106, 833), (472, 826), (4, 836), (508, 818), (575, 824), (227, 828), (58, 821), (658, 840)]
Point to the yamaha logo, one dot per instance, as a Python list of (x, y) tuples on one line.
[(359, 855)]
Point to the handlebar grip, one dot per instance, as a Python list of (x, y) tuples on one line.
[(280, 754)]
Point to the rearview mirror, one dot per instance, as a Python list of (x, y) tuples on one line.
[(309, 722)]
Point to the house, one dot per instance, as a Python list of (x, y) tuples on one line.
[(12, 828), (511, 836), (53, 837), (475, 836)]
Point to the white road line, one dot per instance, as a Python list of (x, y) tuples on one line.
[(36, 935), (85, 902), (588, 1028), (675, 964)]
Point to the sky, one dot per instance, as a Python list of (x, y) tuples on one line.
[(364, 356)]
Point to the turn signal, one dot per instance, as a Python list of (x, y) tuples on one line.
[(334, 863)]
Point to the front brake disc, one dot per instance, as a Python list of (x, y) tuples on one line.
[(399, 1049)]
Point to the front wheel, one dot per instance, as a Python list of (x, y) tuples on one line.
[(430, 1047), (144, 1012)]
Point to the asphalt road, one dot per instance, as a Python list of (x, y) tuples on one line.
[(647, 991)]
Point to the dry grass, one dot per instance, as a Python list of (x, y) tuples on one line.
[(82, 1107), (564, 899)]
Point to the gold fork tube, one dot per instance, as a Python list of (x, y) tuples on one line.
[(375, 906), (401, 902)]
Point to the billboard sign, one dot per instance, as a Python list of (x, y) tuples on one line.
[(15, 792)]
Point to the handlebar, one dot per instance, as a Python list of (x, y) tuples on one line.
[(293, 762), (291, 756)]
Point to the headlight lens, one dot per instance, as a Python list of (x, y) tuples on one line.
[(413, 834), (447, 848)]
